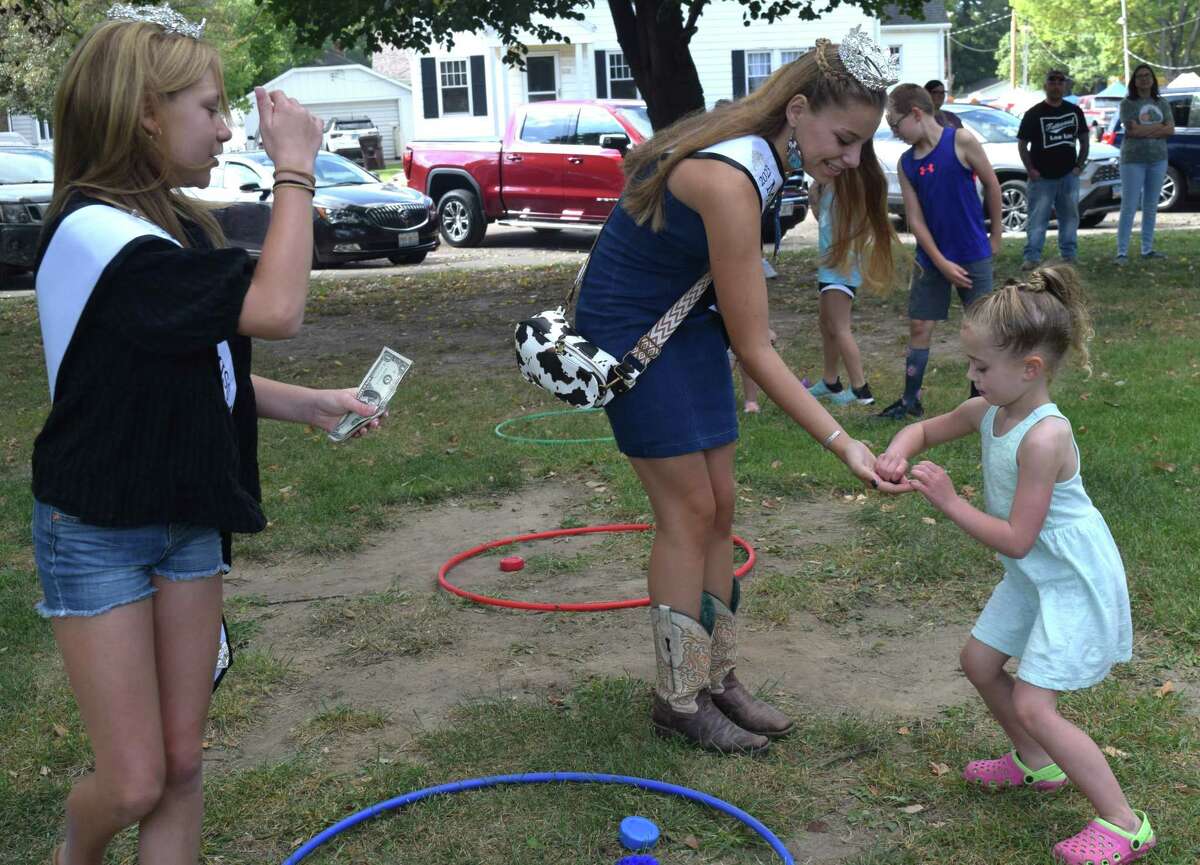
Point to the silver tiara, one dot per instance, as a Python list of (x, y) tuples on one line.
[(164, 16), (873, 67)]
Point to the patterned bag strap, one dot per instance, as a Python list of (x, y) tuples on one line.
[(651, 343)]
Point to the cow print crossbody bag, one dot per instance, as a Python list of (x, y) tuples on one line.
[(555, 357)]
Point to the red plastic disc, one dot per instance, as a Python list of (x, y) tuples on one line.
[(594, 607), (512, 563)]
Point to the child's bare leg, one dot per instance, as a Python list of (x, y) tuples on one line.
[(984, 667), (838, 339), (1074, 752)]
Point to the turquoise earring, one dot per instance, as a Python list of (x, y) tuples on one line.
[(795, 159)]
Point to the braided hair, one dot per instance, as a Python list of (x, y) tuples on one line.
[(1048, 311)]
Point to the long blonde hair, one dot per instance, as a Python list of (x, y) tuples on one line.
[(1047, 311), (862, 228), (101, 148)]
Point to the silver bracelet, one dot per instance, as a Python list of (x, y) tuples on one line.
[(829, 438)]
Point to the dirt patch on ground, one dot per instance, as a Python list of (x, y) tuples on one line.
[(373, 631)]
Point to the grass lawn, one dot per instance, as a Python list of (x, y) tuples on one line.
[(394, 170), (888, 784)]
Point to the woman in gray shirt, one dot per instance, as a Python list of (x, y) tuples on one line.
[(1146, 118)]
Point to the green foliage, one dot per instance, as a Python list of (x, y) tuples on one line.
[(39, 35), (1093, 54)]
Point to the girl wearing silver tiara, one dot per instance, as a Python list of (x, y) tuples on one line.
[(693, 202), (147, 461)]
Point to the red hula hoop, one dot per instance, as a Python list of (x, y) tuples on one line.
[(594, 607)]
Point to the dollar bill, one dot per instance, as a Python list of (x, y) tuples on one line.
[(377, 389)]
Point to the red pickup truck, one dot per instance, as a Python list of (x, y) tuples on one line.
[(559, 166)]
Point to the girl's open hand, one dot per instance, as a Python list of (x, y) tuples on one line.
[(933, 482)]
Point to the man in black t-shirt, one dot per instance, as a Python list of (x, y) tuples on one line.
[(1053, 142)]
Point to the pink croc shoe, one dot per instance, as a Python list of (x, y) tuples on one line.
[(1009, 772), (1102, 843)]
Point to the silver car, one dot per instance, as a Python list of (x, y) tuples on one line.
[(1099, 185)]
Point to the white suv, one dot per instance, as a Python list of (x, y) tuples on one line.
[(342, 134)]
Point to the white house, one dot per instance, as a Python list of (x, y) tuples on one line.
[(468, 91), (351, 90)]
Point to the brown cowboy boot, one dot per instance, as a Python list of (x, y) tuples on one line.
[(681, 702), (728, 694)]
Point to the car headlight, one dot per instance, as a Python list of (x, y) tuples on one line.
[(336, 214), (15, 213)]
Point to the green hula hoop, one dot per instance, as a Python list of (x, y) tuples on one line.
[(537, 441)]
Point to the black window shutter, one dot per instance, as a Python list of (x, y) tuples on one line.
[(739, 74), (601, 74), (429, 86), (478, 87)]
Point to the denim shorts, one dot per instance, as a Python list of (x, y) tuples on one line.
[(86, 570), (929, 293)]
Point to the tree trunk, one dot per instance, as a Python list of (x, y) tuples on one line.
[(656, 41)]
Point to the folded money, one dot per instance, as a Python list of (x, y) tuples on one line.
[(377, 389)]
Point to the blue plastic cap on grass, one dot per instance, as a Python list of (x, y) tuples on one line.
[(638, 833), (638, 859)]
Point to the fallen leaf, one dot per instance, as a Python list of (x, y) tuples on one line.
[(1113, 752), (872, 789), (887, 508), (349, 614), (939, 769), (913, 809), (1169, 468), (929, 521), (1084, 397), (1168, 687), (692, 841), (767, 503), (44, 771), (904, 731), (968, 491), (776, 463), (60, 730), (817, 826), (593, 484)]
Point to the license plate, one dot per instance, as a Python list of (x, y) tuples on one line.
[(407, 238), (787, 208), (1116, 191)]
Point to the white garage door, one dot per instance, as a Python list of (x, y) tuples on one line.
[(385, 114)]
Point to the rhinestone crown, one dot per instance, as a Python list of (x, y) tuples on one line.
[(871, 66), (164, 16)]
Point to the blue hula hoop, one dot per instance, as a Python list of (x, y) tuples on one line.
[(544, 778)]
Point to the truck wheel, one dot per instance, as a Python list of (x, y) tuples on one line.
[(1172, 189), (460, 218), (1091, 220)]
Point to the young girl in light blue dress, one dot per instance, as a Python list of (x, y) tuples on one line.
[(1063, 606)]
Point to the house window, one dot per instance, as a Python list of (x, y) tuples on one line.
[(620, 77), (541, 77), (758, 69), (45, 130), (894, 51), (788, 55), (455, 81)]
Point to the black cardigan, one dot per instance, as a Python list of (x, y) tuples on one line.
[(139, 431)]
